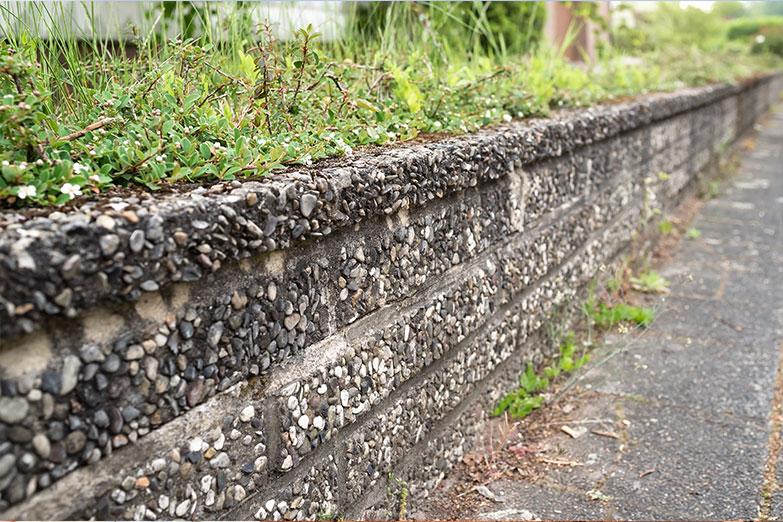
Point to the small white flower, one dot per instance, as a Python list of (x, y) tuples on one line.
[(160, 159), (760, 39), (71, 190), (5, 163), (26, 191), (22, 165), (507, 118), (96, 178), (39, 162), (92, 153), (78, 168), (217, 145)]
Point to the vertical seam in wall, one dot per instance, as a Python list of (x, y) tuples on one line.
[(272, 426)]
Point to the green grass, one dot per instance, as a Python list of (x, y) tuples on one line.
[(79, 115)]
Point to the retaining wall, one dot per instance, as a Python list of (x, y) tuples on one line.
[(280, 348)]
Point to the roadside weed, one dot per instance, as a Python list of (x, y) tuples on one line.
[(693, 233), (650, 282), (665, 226), (605, 316), (528, 396)]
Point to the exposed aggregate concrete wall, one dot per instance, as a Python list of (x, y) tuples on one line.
[(278, 348)]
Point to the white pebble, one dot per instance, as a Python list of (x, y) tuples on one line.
[(247, 413)]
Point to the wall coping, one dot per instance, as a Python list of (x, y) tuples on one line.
[(118, 248)]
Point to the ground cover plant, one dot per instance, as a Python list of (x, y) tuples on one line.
[(228, 99), (529, 395)]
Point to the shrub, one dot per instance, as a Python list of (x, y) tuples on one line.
[(493, 26), (770, 40), (748, 28), (671, 26)]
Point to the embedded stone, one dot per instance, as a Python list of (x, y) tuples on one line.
[(307, 204), (221, 460), (75, 442), (149, 285), (238, 300), (195, 392), (288, 463), (41, 445), (247, 413), (13, 410), (197, 444), (215, 333), (91, 353), (180, 237), (7, 462), (260, 463), (71, 266), (239, 493), (291, 321), (186, 329), (109, 244), (51, 382), (136, 241), (64, 298), (105, 221), (70, 375), (101, 419), (182, 508), (134, 352)]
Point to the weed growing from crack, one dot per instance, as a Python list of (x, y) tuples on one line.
[(665, 227), (693, 233), (606, 316), (529, 396), (393, 481), (650, 282)]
